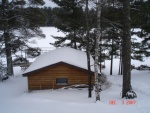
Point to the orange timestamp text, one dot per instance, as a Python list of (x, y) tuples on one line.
[(123, 102)]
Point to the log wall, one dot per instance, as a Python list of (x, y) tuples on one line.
[(46, 78)]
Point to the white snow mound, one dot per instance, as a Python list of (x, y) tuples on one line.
[(65, 54)]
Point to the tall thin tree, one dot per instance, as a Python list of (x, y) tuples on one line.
[(6, 36), (126, 48), (13, 18), (112, 46), (98, 34), (88, 51)]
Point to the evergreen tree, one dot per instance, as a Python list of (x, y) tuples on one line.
[(143, 22), (18, 25), (88, 50), (70, 20), (49, 14), (111, 29), (126, 49)]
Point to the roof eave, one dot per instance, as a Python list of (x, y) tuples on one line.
[(26, 74)]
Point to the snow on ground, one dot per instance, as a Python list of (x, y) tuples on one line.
[(15, 98), (139, 79)]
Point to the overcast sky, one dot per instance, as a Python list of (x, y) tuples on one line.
[(49, 3)]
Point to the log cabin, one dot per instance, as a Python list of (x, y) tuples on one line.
[(59, 68)]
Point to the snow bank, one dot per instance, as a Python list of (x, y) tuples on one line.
[(15, 98)]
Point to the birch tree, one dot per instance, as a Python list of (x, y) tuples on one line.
[(99, 4)]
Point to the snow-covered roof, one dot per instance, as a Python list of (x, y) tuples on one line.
[(65, 54)]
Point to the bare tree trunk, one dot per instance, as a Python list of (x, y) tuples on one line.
[(112, 49), (8, 54), (121, 67), (111, 65), (120, 64), (96, 63), (88, 51), (126, 49), (119, 72), (100, 51), (7, 39), (100, 66), (74, 40), (74, 45)]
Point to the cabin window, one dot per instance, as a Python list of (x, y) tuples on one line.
[(61, 81)]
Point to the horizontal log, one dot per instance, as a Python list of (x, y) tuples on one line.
[(46, 78)]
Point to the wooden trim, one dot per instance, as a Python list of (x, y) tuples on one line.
[(53, 65)]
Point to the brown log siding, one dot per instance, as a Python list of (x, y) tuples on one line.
[(46, 78)]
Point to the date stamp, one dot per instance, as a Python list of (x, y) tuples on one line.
[(123, 102)]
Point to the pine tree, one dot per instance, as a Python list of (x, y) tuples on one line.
[(126, 50), (16, 19), (142, 22), (88, 50), (70, 20), (111, 19)]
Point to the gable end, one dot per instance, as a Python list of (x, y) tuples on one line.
[(56, 64)]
